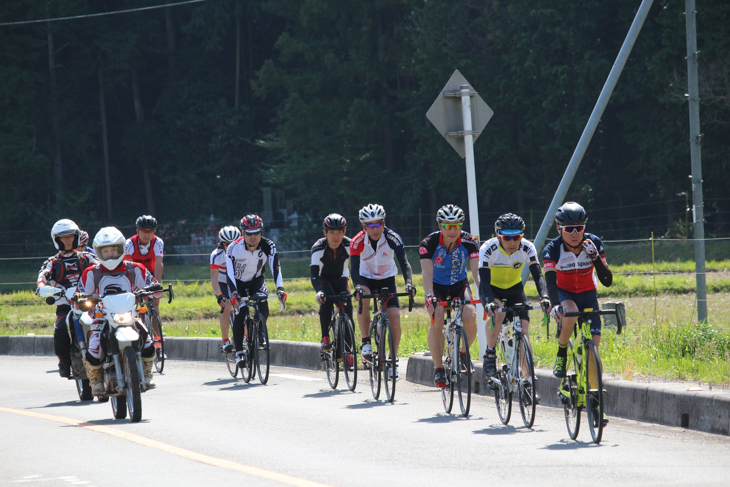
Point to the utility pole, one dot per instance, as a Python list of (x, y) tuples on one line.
[(695, 140)]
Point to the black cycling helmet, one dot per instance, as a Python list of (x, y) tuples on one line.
[(251, 224), (509, 224), (147, 222), (334, 221), (571, 213)]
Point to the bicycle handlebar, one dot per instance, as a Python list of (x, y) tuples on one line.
[(438, 302), (257, 298), (143, 294), (384, 294), (585, 313)]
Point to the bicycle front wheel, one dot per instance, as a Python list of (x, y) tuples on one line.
[(154, 326), (349, 351), (329, 360), (569, 397), (527, 382), (390, 360), (374, 366), (463, 371), (502, 391), (594, 393), (247, 372), (261, 341)]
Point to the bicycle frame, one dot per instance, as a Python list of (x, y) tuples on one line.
[(251, 337), (340, 324)]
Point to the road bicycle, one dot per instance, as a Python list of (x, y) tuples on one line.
[(153, 323), (583, 388), (343, 349), (384, 359), (515, 367), (256, 338), (457, 364), (231, 355)]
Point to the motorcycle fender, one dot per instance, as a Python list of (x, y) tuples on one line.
[(126, 334), (86, 319)]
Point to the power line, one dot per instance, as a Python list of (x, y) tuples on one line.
[(140, 9)]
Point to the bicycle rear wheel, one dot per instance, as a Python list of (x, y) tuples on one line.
[(526, 374), (594, 393), (502, 392), (328, 358), (261, 341), (231, 364), (390, 360), (569, 396), (463, 372), (375, 367), (349, 351), (153, 321)]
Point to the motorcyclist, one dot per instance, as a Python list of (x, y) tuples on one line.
[(64, 269), (113, 275)]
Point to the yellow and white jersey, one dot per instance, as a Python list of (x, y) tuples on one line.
[(506, 270)]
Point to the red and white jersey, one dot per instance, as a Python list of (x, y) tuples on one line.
[(574, 272), (218, 261), (123, 279), (377, 261), (136, 252)]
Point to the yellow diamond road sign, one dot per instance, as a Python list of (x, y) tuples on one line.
[(445, 113)]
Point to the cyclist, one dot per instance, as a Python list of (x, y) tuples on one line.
[(245, 265), (444, 258), (330, 273), (373, 252), (147, 248), (501, 260), (570, 261), (226, 235), (64, 269), (84, 242), (112, 275)]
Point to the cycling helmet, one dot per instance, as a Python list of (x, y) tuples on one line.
[(65, 227), (251, 224), (509, 224), (109, 238), (371, 212), (571, 213), (450, 214), (147, 222), (83, 239), (228, 234), (334, 221)]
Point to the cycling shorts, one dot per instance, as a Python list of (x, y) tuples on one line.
[(511, 296), (375, 285), (460, 289), (586, 299)]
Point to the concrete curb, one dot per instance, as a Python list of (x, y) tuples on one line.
[(673, 404)]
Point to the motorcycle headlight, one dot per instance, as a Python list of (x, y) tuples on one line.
[(123, 318), (85, 305)]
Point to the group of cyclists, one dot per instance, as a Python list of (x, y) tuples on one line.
[(237, 269)]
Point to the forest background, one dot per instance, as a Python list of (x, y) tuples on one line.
[(203, 112)]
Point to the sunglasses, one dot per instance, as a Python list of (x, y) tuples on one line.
[(146, 230), (253, 233), (573, 228), (374, 225), (509, 238), (452, 226)]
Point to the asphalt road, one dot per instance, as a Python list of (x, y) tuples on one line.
[(201, 427)]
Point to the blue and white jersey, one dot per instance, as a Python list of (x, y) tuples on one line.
[(449, 268)]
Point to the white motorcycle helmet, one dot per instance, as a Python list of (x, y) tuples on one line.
[(64, 227), (109, 247)]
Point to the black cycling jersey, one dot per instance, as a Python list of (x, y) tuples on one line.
[(328, 263)]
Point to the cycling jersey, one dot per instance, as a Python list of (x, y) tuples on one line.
[(120, 280), (574, 272), (218, 261), (136, 252), (449, 268), (328, 262), (245, 266), (506, 270), (376, 260), (65, 270)]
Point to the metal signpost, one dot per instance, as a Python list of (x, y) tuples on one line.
[(460, 115)]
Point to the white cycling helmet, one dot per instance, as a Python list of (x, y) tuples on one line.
[(228, 234), (450, 214), (109, 247), (371, 213), (65, 227)]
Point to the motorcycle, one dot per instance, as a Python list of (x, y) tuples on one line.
[(78, 342), (123, 336)]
